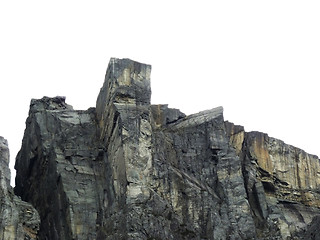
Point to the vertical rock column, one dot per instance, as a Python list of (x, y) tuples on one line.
[(123, 113)]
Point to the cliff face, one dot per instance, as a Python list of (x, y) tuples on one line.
[(282, 182), (131, 170), (56, 169), (18, 219)]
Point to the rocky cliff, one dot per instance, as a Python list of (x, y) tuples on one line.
[(127, 169), (18, 219)]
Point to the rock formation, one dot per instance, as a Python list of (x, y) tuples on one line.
[(131, 170), (18, 219), (282, 182)]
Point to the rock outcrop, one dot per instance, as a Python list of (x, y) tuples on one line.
[(131, 170), (282, 182), (18, 219), (56, 169)]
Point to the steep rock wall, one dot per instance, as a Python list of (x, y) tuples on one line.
[(131, 170), (282, 181), (57, 169), (18, 219), (163, 171)]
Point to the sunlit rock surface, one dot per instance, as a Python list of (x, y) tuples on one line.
[(131, 170), (282, 181), (18, 219)]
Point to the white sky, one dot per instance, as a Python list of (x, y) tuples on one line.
[(258, 59)]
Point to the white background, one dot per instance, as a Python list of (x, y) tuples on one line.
[(258, 59)]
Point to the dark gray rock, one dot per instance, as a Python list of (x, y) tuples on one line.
[(311, 232), (131, 170), (56, 169), (18, 219), (162, 115)]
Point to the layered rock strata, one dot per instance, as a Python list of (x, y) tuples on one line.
[(131, 170), (18, 219)]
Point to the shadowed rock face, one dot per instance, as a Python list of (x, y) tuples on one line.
[(18, 219), (57, 169), (131, 170)]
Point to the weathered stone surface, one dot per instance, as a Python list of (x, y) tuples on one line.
[(56, 169), (123, 115), (311, 232), (282, 181), (131, 170), (199, 176), (162, 115), (18, 219)]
